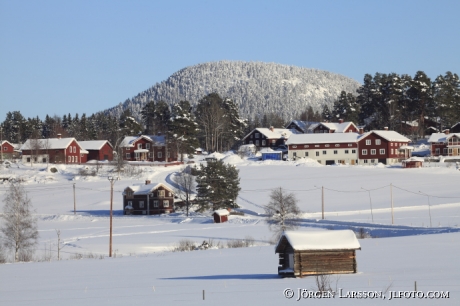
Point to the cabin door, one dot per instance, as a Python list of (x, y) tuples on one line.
[(291, 261)]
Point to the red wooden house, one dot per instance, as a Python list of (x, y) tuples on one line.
[(148, 199), (146, 148), (6, 150), (386, 147), (98, 149), (333, 127), (53, 150), (445, 144), (268, 138)]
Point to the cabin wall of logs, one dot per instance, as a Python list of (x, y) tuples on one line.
[(324, 262)]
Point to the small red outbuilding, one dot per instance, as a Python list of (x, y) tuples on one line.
[(220, 215)]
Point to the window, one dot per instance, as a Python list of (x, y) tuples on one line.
[(353, 151), (141, 204), (372, 161), (382, 151), (147, 146), (155, 203), (263, 142), (161, 193), (346, 151), (294, 154), (128, 155), (316, 146), (273, 141), (365, 161), (305, 146), (257, 135), (391, 151), (44, 160), (250, 142), (444, 151), (129, 193), (150, 155), (28, 159), (335, 151), (327, 146), (324, 152), (306, 154), (373, 151), (74, 149), (368, 142), (139, 145), (130, 203), (294, 147), (337, 145), (257, 143), (364, 152), (378, 141), (68, 159), (159, 154), (350, 145), (317, 153), (165, 203)]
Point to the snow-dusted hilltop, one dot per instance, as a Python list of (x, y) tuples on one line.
[(257, 87)]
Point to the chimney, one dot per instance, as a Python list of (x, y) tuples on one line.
[(447, 132), (147, 182), (361, 131), (340, 120), (59, 136), (385, 128), (272, 129)]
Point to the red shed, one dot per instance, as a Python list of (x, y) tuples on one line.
[(413, 162), (220, 215)]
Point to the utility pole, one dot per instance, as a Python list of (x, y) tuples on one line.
[(429, 206), (322, 200), (74, 202), (391, 194), (112, 181), (370, 202)]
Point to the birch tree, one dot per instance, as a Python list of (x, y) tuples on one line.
[(19, 225), (282, 211)]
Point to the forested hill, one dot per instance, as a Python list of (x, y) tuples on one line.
[(256, 87)]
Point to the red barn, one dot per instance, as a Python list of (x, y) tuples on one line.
[(6, 150), (98, 149)]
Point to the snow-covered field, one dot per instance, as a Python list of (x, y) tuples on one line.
[(146, 271)]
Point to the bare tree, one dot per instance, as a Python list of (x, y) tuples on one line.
[(35, 146), (46, 146), (120, 163), (282, 211), (186, 184), (20, 226)]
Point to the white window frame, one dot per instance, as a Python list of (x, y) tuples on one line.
[(128, 155), (335, 152), (373, 151), (382, 151), (161, 193), (368, 142), (324, 152), (364, 151), (365, 161), (353, 151), (346, 151), (147, 146), (139, 146), (155, 203), (263, 142), (257, 142), (257, 135), (166, 203), (378, 142)]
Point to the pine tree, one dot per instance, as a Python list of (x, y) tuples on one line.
[(420, 94), (326, 115), (148, 117), (447, 99), (183, 129)]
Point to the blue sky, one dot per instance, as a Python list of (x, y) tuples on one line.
[(84, 56)]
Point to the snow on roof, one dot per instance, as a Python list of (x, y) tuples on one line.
[(93, 144), (270, 150), (407, 147), (415, 158), (455, 125), (6, 141), (303, 125), (144, 189), (274, 133), (321, 240), (158, 140), (336, 126), (49, 143), (129, 141), (322, 138), (437, 137), (388, 135), (222, 212)]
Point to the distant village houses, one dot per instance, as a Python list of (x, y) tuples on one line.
[(53, 150), (148, 199)]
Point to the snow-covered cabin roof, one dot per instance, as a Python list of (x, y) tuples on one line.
[(303, 125), (6, 141), (49, 143), (222, 212), (93, 144), (158, 140), (322, 138), (320, 240), (128, 141), (387, 135), (441, 137), (144, 189), (338, 127), (274, 133)]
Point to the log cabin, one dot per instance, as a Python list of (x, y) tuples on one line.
[(317, 253)]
